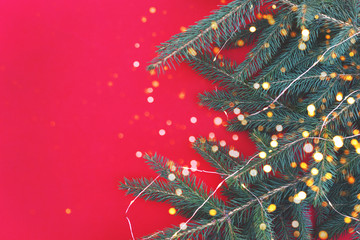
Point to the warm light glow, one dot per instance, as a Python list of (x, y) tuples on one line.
[(271, 208), (267, 168), (314, 171), (212, 212), (172, 211), (295, 224), (237, 111), (262, 155), (192, 52), (152, 10), (305, 134), (350, 100), (274, 144), (192, 139), (214, 148), (338, 141), (318, 156), (347, 220), (234, 153), (339, 97), (253, 172), (305, 32), (262, 226), (311, 108), (218, 121), (266, 85), (302, 195), (252, 29), (323, 235), (302, 46)]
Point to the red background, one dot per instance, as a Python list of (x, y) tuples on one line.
[(74, 112)]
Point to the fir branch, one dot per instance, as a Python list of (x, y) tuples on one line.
[(201, 33), (243, 207)]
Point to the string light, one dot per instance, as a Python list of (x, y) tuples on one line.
[(311, 110), (302, 46), (318, 156), (295, 224), (253, 172), (338, 141), (266, 85), (339, 97), (314, 171), (262, 155), (212, 212), (323, 235), (302, 195), (262, 226), (350, 100), (172, 211), (267, 168), (305, 134), (271, 208), (274, 144), (171, 177)]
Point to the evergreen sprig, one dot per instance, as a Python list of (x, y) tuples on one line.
[(298, 95)]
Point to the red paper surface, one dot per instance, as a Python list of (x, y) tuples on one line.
[(74, 112)]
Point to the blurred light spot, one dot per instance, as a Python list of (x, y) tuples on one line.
[(211, 135), (150, 99), (115, 75), (172, 211), (308, 148), (217, 121), (110, 84), (183, 226), (152, 10), (155, 83), (183, 29), (137, 45), (136, 64), (193, 163), (234, 153), (178, 192), (138, 154), (149, 90), (237, 111), (168, 122), (162, 132), (185, 172), (235, 137), (193, 119), (171, 177), (144, 19), (68, 211), (192, 139), (121, 135), (52, 123), (182, 95), (222, 143)]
